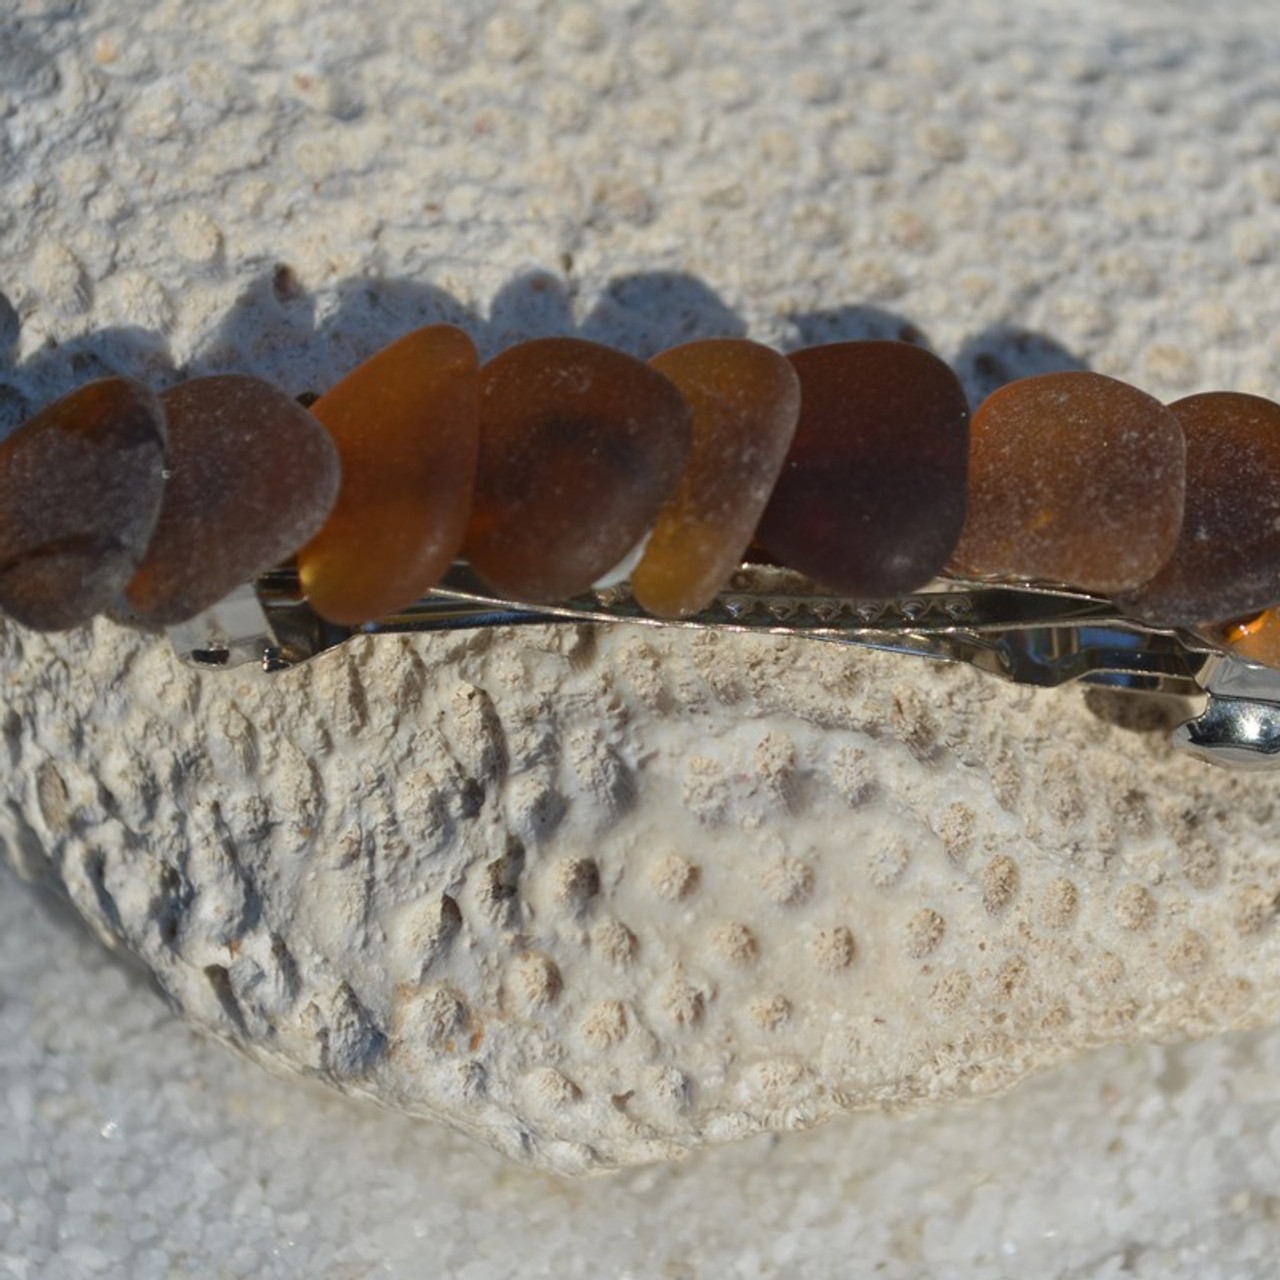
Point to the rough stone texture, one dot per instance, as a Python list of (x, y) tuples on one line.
[(603, 896), (278, 189)]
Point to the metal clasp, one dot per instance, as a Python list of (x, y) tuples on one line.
[(1240, 724)]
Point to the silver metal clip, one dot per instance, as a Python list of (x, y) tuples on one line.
[(1025, 633), (1240, 724)]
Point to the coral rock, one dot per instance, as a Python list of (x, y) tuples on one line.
[(600, 898)]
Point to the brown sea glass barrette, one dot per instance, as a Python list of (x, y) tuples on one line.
[(1076, 529)]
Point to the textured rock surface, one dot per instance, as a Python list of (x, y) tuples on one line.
[(278, 189), (603, 896), (134, 1147)]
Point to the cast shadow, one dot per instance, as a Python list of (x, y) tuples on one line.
[(305, 341)]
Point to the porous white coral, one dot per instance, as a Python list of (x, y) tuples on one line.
[(603, 898), (602, 895)]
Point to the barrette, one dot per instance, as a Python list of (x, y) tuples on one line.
[(1074, 529), (1028, 634)]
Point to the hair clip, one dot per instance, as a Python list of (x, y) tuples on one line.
[(1074, 530), (1027, 634)]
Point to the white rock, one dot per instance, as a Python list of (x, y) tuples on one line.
[(603, 896)]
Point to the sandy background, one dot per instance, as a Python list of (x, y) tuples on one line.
[(280, 187)]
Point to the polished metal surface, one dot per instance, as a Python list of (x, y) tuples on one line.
[(1240, 724)]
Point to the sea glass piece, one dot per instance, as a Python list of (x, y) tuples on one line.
[(80, 487), (580, 446), (1074, 478), (872, 495), (1226, 562), (252, 476), (407, 426), (745, 400), (1256, 638)]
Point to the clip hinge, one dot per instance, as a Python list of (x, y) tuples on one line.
[(1240, 724)]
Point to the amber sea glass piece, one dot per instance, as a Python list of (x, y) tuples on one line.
[(1226, 562), (871, 497), (252, 476), (407, 426), (1074, 478), (1256, 638), (80, 487), (580, 446), (744, 399)]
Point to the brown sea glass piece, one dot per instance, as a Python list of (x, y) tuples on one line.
[(872, 495), (744, 399), (252, 476), (580, 446), (80, 487), (407, 426), (1074, 478), (1226, 562)]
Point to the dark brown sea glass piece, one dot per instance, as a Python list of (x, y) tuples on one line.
[(744, 399), (80, 488), (407, 426), (252, 476), (872, 495), (1226, 562), (1074, 478), (580, 446)]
